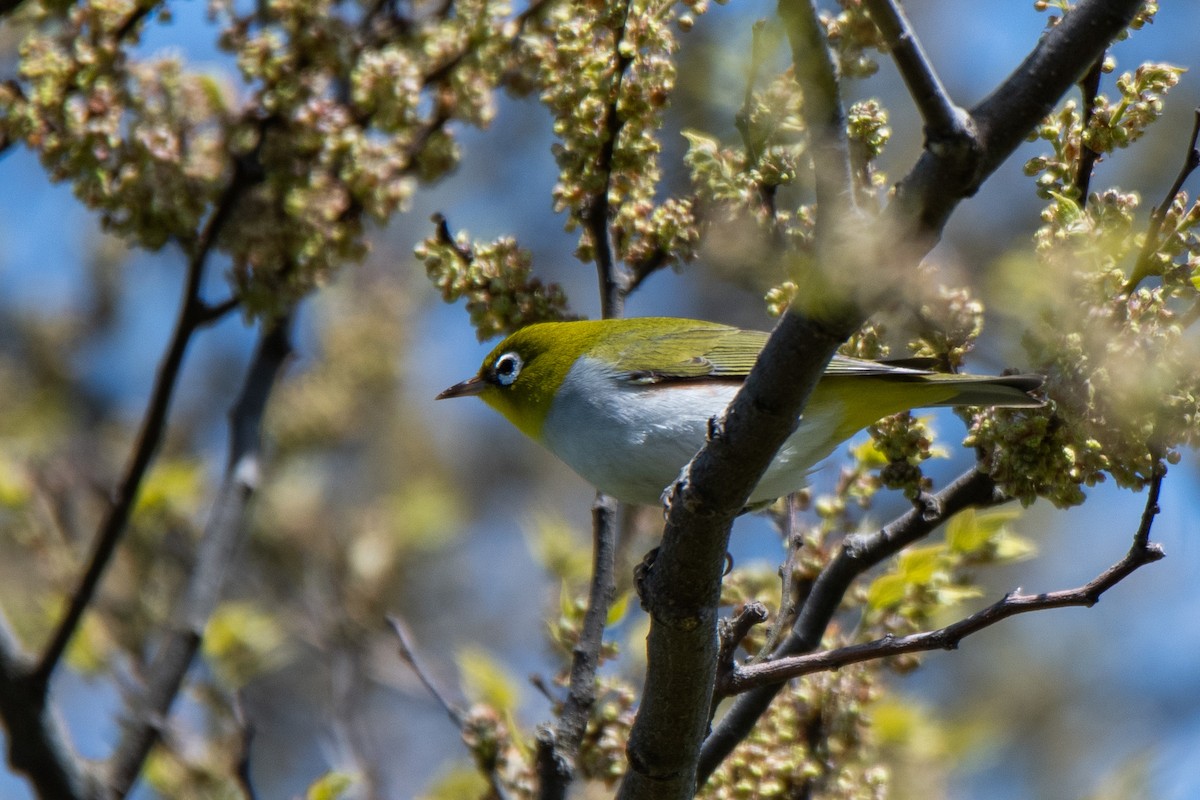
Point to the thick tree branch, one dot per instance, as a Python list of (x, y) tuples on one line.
[(682, 586), (37, 742), (194, 314), (222, 536), (858, 553), (943, 176), (1141, 552)]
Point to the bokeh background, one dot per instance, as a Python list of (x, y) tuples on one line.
[(1101, 703)]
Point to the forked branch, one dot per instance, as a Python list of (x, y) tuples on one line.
[(1141, 552)]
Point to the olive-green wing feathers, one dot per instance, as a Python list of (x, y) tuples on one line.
[(685, 352), (689, 350)]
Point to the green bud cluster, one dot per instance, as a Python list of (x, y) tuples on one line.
[(1112, 339), (497, 281), (607, 119), (815, 740)]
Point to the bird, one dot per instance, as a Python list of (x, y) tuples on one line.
[(626, 403)]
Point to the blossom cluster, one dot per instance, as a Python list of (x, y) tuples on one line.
[(334, 117)]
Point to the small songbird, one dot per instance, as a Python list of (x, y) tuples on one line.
[(626, 403)]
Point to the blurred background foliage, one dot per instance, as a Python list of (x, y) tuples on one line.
[(377, 501)]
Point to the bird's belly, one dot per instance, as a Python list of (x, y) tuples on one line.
[(633, 442)]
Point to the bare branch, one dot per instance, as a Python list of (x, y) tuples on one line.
[(245, 741), (944, 176), (193, 315), (216, 552), (944, 120), (38, 746), (857, 554), (1090, 86), (1141, 552), (585, 662), (1191, 162), (817, 76), (731, 632), (408, 653), (613, 281)]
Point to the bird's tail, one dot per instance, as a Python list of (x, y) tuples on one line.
[(1015, 391)]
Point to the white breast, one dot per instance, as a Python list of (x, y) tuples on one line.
[(631, 441)]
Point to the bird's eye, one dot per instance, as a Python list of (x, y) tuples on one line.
[(507, 368)]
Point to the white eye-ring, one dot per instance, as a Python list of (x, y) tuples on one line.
[(507, 368)]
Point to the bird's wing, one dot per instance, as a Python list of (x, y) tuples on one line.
[(686, 352), (693, 350)]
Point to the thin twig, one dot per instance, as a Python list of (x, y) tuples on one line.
[(943, 119), (793, 542), (1141, 552), (732, 632), (857, 554), (585, 662), (613, 283), (245, 740), (194, 314), (408, 653), (816, 74), (217, 550), (1090, 86), (755, 141), (1158, 216)]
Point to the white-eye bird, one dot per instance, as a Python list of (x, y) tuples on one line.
[(626, 402)]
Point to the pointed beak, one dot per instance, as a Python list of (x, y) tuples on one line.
[(465, 389)]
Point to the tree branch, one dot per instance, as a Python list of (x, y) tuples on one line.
[(858, 553), (944, 120), (1090, 86), (194, 314), (1191, 161), (826, 118), (408, 653), (1141, 552), (613, 283), (944, 175), (222, 536), (38, 746), (682, 585), (581, 694)]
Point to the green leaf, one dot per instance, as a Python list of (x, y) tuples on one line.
[(886, 591), (557, 547), (461, 781), (869, 455), (173, 486), (484, 679), (330, 786), (617, 611), (14, 484), (242, 641), (970, 531), (920, 564)]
